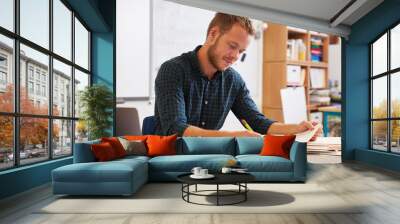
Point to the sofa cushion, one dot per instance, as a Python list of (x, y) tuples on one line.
[(275, 145), (133, 147), (112, 171), (116, 145), (161, 145), (103, 152), (185, 163), (135, 137), (257, 163), (208, 145), (83, 152), (249, 145)]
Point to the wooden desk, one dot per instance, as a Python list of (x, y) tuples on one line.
[(329, 111)]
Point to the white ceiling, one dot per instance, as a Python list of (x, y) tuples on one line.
[(320, 9), (308, 14)]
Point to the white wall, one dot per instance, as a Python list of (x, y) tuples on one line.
[(175, 29)]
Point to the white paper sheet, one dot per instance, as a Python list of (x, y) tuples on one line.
[(294, 105), (307, 135)]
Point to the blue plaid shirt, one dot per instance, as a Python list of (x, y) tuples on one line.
[(185, 96)]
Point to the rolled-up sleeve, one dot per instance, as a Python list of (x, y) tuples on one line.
[(245, 108), (170, 101)]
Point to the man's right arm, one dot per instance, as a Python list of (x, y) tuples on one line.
[(170, 102)]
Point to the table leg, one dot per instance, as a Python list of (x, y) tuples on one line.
[(245, 192), (217, 194)]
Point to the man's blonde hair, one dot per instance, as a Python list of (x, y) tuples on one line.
[(225, 22)]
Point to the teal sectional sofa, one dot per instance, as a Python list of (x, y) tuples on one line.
[(125, 176)]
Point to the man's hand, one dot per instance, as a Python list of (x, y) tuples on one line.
[(245, 134), (308, 126)]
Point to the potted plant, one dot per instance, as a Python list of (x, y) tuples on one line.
[(97, 103)]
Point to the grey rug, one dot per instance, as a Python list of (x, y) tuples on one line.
[(166, 198)]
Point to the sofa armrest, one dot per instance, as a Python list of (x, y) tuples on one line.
[(298, 155), (83, 152)]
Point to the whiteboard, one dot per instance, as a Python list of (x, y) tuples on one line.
[(133, 48), (176, 29), (152, 32)]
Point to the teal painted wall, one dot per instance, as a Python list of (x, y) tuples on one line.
[(356, 84), (103, 63), (99, 15), (24, 178)]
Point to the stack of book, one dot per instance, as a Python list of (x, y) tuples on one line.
[(316, 49), (325, 146), (320, 97)]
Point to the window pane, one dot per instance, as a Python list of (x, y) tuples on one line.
[(7, 14), (81, 81), (62, 138), (81, 45), (33, 140), (395, 47), (35, 21), (395, 94), (6, 74), (395, 136), (379, 55), (379, 135), (6, 142), (81, 131), (34, 79), (62, 89), (379, 97), (62, 29)]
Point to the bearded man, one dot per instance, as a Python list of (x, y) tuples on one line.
[(196, 90)]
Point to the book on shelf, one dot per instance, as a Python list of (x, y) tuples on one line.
[(316, 49), (317, 78), (295, 75), (296, 50)]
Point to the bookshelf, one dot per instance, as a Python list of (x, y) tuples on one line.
[(288, 52)]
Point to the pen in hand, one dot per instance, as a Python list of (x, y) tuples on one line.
[(246, 125)]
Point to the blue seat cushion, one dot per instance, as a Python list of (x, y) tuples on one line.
[(249, 145), (185, 163), (207, 145), (257, 163), (111, 171)]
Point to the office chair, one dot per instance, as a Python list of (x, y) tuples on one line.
[(149, 125)]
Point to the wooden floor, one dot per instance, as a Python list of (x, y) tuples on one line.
[(377, 188)]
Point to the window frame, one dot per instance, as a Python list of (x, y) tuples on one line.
[(16, 114), (388, 74)]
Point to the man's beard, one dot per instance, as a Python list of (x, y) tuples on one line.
[(212, 56)]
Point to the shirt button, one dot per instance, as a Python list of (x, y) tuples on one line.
[(203, 123), (206, 102)]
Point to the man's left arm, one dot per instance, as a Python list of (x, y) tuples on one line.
[(245, 108)]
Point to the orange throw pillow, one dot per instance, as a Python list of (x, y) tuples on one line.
[(275, 145), (103, 152), (116, 145), (136, 137), (161, 145)]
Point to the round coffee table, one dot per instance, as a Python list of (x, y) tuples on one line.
[(238, 179)]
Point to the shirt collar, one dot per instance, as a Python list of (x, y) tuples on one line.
[(194, 60)]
